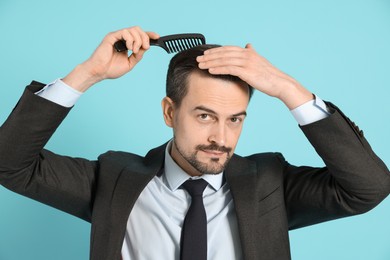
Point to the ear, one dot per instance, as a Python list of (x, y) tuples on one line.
[(168, 111)]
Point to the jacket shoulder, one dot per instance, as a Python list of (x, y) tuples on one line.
[(266, 158), (120, 158)]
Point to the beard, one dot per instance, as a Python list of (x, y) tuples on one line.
[(215, 166)]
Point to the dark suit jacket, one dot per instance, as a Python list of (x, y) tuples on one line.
[(270, 195)]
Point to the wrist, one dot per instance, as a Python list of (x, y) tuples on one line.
[(81, 78), (294, 95)]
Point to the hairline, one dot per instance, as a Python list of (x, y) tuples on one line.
[(207, 74)]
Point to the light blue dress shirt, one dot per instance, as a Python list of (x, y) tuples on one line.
[(154, 225)]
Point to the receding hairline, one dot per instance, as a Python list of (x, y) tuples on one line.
[(232, 79), (242, 85)]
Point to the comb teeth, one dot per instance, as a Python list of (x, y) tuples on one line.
[(178, 45)]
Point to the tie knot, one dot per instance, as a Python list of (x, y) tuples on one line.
[(195, 187)]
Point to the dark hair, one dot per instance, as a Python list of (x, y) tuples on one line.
[(180, 68)]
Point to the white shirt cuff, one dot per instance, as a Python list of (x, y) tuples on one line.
[(310, 112), (60, 93)]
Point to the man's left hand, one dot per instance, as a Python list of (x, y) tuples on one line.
[(255, 70)]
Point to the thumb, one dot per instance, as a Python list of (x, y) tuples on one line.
[(134, 58)]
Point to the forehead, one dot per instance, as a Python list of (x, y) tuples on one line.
[(220, 95)]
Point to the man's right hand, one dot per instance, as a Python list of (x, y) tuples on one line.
[(106, 62)]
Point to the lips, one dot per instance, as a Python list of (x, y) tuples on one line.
[(213, 152), (214, 149)]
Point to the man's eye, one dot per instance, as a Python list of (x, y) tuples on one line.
[(235, 119), (204, 116)]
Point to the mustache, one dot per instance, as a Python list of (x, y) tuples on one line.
[(214, 147)]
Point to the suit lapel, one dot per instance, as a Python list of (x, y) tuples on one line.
[(241, 177), (257, 189), (129, 185)]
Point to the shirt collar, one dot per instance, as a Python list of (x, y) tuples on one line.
[(176, 176)]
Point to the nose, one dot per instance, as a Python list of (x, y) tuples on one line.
[(218, 134)]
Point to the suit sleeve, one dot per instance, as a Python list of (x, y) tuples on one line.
[(27, 168), (354, 180)]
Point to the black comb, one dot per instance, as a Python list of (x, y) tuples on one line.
[(171, 43)]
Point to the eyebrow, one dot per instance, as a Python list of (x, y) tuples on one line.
[(208, 110)]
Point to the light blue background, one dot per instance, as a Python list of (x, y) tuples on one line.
[(338, 49)]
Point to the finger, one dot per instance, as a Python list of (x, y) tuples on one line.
[(153, 35), (222, 49), (137, 40), (249, 46), (227, 70), (144, 38), (125, 35), (225, 53), (221, 54), (215, 51), (222, 62), (234, 57)]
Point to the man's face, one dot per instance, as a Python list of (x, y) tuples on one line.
[(207, 124)]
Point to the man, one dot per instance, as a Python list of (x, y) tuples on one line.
[(137, 205)]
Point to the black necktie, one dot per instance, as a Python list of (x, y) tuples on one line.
[(194, 231)]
